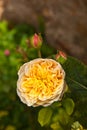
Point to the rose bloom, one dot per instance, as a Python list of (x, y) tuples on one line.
[(40, 82)]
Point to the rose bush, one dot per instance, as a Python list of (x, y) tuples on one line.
[(15, 50)]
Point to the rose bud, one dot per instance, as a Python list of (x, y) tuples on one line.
[(7, 52), (61, 57), (36, 41), (62, 54)]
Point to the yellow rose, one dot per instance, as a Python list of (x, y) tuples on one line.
[(40, 82)]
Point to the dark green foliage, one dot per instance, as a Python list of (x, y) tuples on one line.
[(76, 78)]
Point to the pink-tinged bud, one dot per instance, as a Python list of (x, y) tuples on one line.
[(7, 52), (61, 57), (61, 54), (36, 41), (57, 56)]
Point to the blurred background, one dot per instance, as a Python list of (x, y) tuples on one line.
[(65, 21)]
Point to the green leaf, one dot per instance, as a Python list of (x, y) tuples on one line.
[(61, 116), (61, 60), (76, 79), (55, 105), (44, 116), (76, 73), (56, 126), (68, 105)]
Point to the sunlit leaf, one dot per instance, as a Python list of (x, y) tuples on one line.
[(68, 104), (44, 116), (61, 116), (56, 126)]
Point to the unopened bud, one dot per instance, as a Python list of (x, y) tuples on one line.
[(61, 54), (36, 41), (61, 57), (7, 52)]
